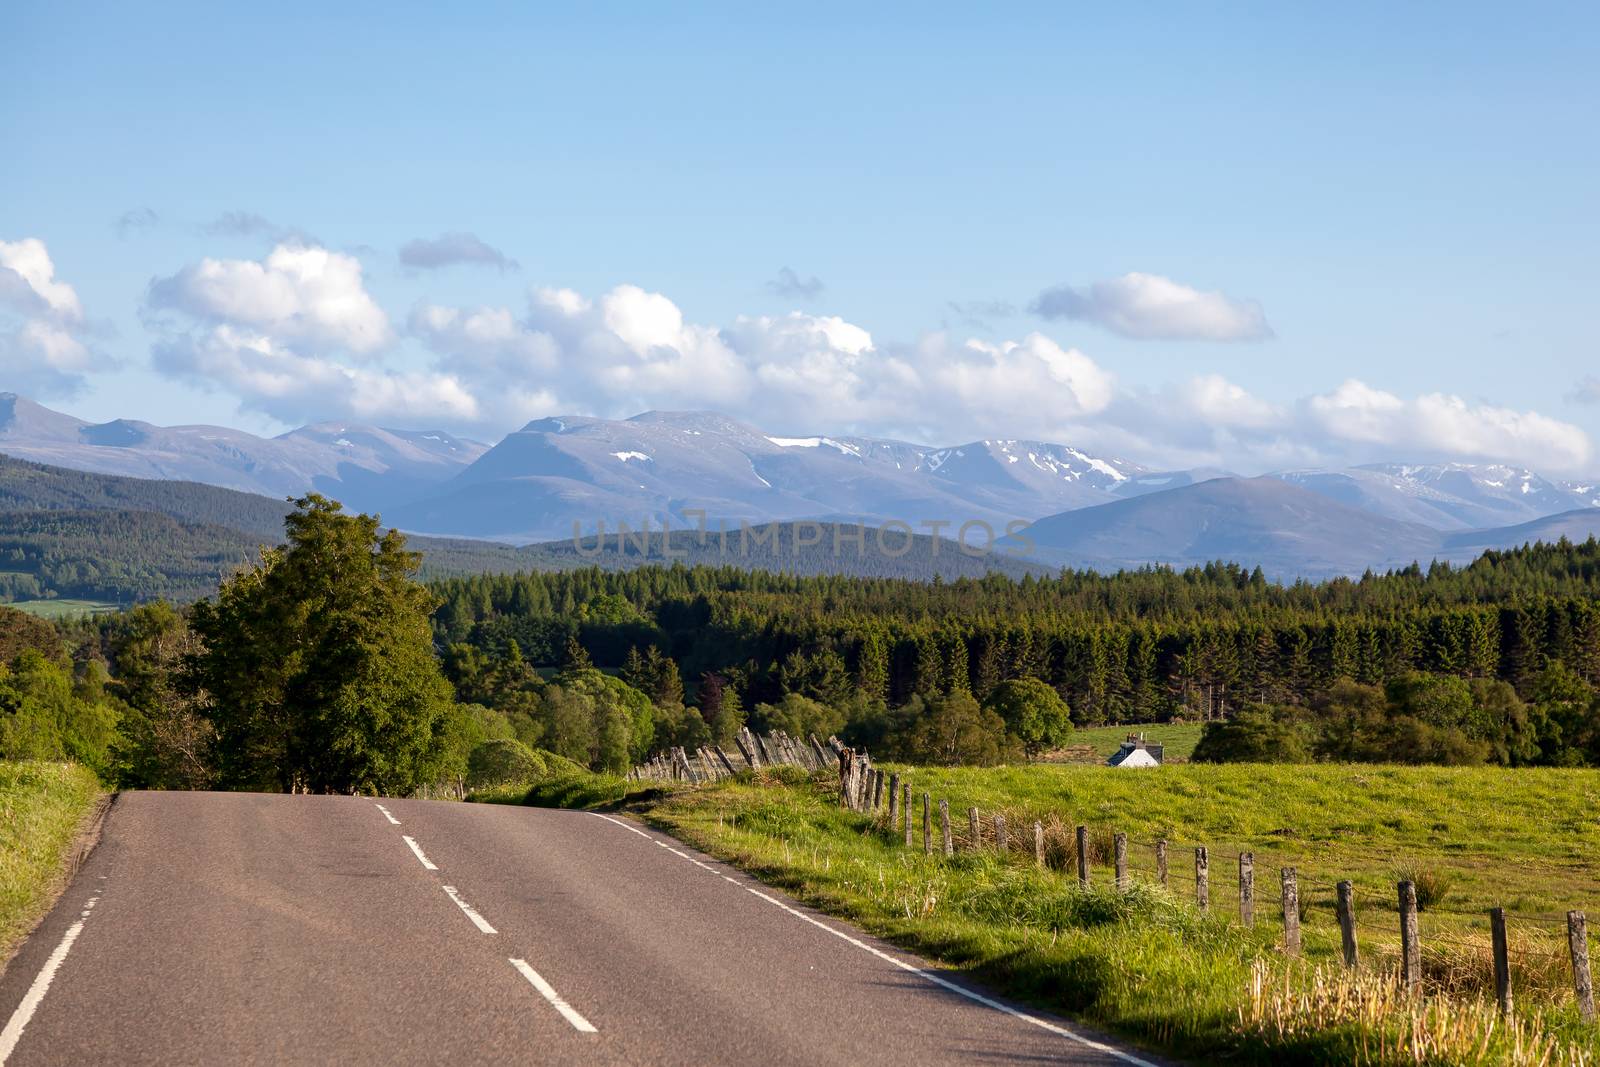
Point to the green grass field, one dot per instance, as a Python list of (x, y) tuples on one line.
[(1147, 962), (1179, 738), (64, 609), (42, 806)]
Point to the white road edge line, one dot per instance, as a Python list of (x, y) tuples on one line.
[(547, 991), (477, 920), (921, 972), (41, 984), (426, 862), (386, 814)]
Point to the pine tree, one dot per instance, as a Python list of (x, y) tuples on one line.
[(318, 671)]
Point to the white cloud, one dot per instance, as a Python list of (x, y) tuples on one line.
[(43, 332), (1222, 403), (1035, 380), (298, 294), (1149, 307), (297, 336), (32, 281), (1441, 425), (295, 387), (450, 249), (629, 350)]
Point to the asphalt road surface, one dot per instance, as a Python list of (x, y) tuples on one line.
[(240, 928)]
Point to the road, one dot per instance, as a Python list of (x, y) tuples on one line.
[(244, 928)]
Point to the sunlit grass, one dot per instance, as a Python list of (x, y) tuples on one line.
[(1146, 961), (41, 808)]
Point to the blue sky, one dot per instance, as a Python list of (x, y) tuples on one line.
[(1251, 235)]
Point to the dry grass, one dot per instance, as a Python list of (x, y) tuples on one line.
[(1365, 1017)]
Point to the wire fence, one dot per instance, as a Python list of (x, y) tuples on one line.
[(1401, 926)]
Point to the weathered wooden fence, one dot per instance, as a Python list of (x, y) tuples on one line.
[(1086, 848), (710, 763), (887, 799)]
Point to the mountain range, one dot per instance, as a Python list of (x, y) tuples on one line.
[(556, 475)]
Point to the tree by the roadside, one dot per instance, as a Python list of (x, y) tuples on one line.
[(318, 671), (1035, 715), (164, 742)]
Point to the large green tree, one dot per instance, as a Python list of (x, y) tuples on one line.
[(318, 672), (1034, 713)]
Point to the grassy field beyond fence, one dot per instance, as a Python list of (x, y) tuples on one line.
[(42, 806), (1146, 961)]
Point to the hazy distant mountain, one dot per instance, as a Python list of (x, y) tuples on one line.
[(536, 483), (553, 472), (1577, 526), (1447, 496), (364, 466), (1266, 522)]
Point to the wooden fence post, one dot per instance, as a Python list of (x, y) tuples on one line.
[(746, 742), (1161, 862), (1083, 856), (927, 826), (1247, 888), (1002, 843), (1120, 852), (1502, 959), (1410, 946), (1347, 922), (1202, 878), (944, 828), (905, 808), (846, 757), (894, 800), (974, 830), (877, 789), (1291, 912), (1038, 843), (1578, 948)]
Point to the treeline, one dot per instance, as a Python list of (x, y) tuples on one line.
[(1421, 718), (122, 557), (1132, 647), (1135, 647)]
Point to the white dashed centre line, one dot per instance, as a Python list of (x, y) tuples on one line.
[(921, 972), (548, 992), (386, 814), (477, 920), (426, 862), (41, 985)]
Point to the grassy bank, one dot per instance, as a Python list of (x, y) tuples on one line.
[(42, 805), (1146, 961)]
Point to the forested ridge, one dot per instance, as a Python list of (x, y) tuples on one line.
[(1131, 647)]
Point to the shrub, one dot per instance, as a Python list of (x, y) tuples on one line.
[(502, 761), (1431, 885)]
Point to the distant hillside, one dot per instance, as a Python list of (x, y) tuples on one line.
[(26, 486), (1576, 526), (802, 548), (365, 466), (72, 534), (1265, 522)]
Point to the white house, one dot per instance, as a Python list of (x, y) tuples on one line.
[(1135, 752)]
